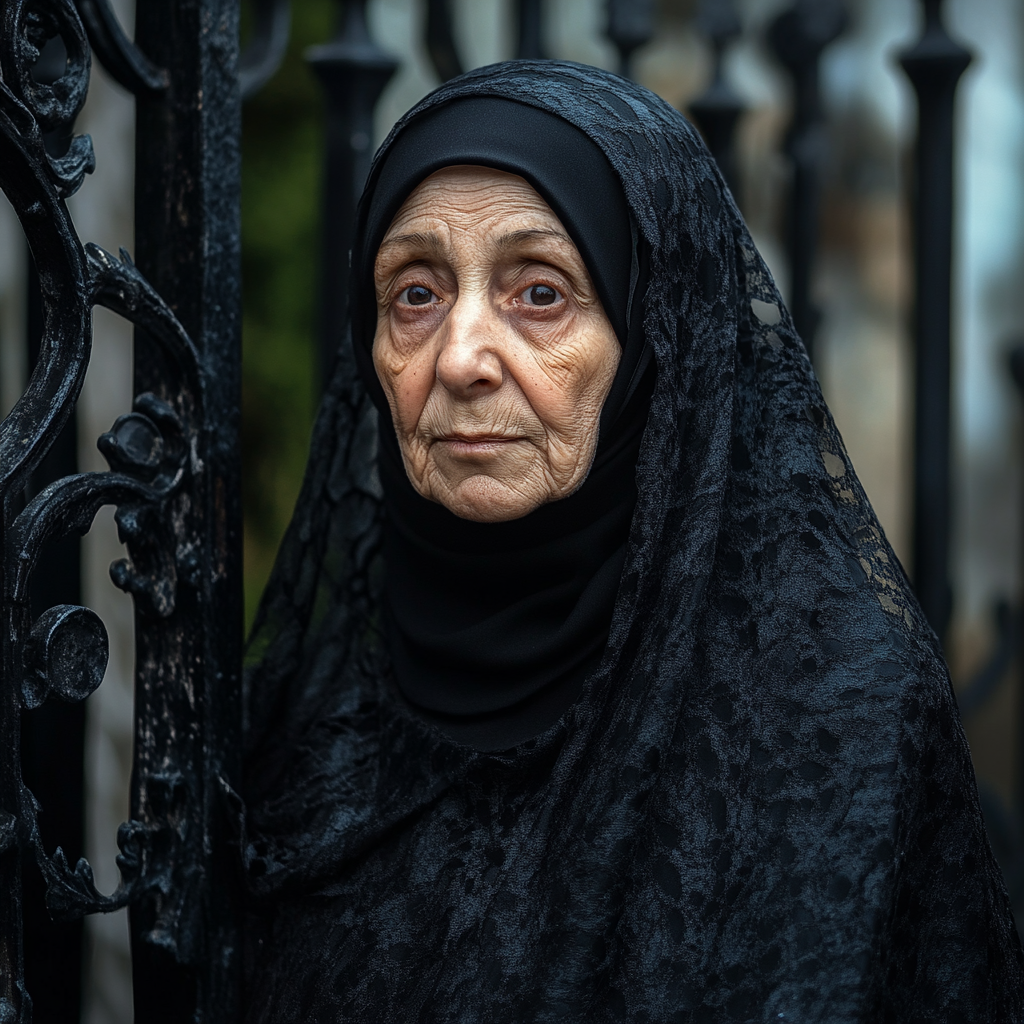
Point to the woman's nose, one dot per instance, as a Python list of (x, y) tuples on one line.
[(468, 364)]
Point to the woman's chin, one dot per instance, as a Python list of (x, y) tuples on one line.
[(485, 499)]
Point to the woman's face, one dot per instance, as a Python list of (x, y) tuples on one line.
[(492, 346)]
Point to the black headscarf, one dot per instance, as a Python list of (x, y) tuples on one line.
[(761, 807), (493, 627)]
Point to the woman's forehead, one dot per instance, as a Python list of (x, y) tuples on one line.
[(472, 197)]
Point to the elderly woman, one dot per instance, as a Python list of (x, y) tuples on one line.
[(587, 686)]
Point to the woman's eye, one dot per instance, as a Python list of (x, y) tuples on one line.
[(540, 295), (417, 295)]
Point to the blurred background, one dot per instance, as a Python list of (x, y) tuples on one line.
[(694, 55)]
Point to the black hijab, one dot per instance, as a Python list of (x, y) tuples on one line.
[(760, 807), (492, 627)]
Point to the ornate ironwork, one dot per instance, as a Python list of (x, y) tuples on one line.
[(798, 37), (53, 736), (266, 49), (173, 478), (126, 64), (934, 66)]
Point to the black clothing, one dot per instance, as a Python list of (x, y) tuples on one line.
[(761, 806), (492, 627)]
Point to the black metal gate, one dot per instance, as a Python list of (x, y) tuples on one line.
[(174, 477)]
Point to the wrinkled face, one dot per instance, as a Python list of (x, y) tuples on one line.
[(492, 346)]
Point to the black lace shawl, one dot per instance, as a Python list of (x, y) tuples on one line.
[(761, 808)]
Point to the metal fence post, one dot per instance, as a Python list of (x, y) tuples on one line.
[(798, 37), (717, 110), (354, 71), (1014, 870), (934, 65), (185, 948), (530, 42), (440, 40), (630, 25)]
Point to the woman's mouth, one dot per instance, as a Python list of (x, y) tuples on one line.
[(475, 444)]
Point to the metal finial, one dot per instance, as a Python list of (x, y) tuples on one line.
[(630, 25)]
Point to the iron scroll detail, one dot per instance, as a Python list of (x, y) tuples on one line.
[(262, 57), (154, 456), (125, 62)]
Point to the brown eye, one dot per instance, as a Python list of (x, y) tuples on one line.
[(417, 295), (540, 295)]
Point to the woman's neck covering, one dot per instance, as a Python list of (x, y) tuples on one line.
[(761, 807), (493, 626)]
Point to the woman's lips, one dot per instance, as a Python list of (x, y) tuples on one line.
[(479, 444)]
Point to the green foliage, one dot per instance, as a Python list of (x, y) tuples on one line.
[(281, 188)]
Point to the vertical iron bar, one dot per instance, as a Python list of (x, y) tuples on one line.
[(934, 65), (14, 1005), (441, 40), (353, 70), (630, 25), (717, 110), (185, 950), (1014, 872), (798, 37), (530, 44)]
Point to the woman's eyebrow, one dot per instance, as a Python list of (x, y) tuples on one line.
[(513, 238), (415, 239)]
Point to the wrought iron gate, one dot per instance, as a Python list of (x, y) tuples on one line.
[(174, 477)]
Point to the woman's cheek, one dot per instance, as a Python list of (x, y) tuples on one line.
[(384, 363), (412, 388), (391, 366), (572, 382), (559, 410), (402, 341), (411, 328)]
